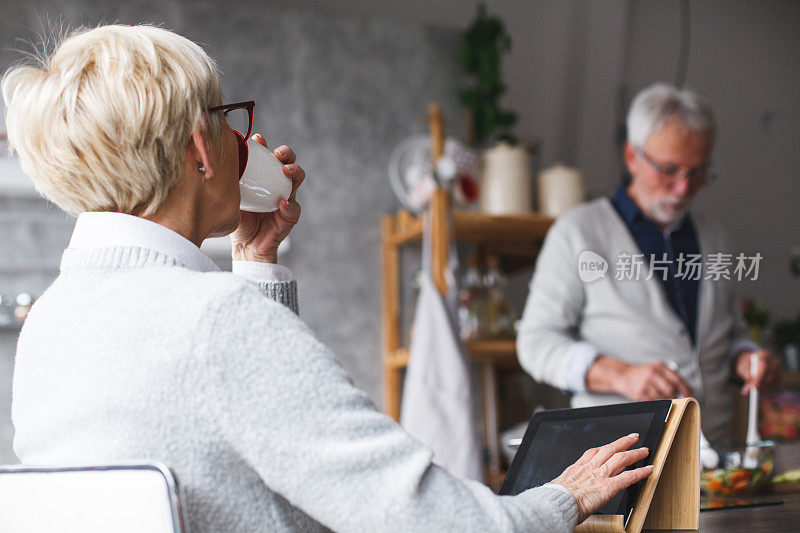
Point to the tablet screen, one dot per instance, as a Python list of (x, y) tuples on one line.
[(556, 439)]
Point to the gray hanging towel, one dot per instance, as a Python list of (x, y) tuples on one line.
[(437, 394)]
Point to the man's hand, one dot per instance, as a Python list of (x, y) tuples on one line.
[(654, 381), (598, 475), (259, 234), (767, 376)]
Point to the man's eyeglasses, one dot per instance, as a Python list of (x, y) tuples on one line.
[(671, 173), (240, 118)]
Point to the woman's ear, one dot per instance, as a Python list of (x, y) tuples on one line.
[(198, 154)]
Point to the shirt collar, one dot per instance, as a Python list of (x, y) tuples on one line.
[(106, 229), (632, 213), (626, 206)]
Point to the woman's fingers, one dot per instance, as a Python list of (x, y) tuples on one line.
[(260, 140), (604, 453), (285, 154), (295, 172), (290, 211), (620, 460), (629, 477), (291, 170), (600, 473), (297, 175), (587, 456)]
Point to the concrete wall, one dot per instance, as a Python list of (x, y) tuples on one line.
[(342, 90)]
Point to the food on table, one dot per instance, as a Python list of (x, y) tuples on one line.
[(732, 478), (727, 481), (790, 476)]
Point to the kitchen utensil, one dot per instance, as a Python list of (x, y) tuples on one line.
[(751, 452)]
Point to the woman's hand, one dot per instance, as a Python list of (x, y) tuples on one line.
[(259, 234), (598, 475)]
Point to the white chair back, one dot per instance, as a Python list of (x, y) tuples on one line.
[(88, 499)]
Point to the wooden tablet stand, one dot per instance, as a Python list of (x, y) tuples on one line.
[(670, 497)]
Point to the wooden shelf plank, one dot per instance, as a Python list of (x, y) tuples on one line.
[(399, 359), (501, 352), (408, 233), (482, 228), (491, 348)]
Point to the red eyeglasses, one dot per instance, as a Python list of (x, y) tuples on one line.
[(240, 118)]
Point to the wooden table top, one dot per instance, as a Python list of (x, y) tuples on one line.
[(780, 518)]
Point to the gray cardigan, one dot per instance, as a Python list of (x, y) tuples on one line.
[(130, 356), (628, 319)]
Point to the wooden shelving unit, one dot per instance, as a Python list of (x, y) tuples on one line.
[(502, 353), (517, 237)]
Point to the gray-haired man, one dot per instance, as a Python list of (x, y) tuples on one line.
[(658, 324)]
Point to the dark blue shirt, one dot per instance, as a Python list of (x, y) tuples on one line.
[(682, 241)]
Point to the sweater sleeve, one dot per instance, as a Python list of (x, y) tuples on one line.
[(283, 292), (547, 344), (274, 280), (284, 403)]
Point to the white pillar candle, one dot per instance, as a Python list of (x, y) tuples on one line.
[(506, 180), (560, 188)]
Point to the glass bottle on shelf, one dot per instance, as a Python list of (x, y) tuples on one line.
[(472, 303), (500, 314)]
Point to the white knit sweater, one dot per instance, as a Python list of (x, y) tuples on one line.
[(131, 356)]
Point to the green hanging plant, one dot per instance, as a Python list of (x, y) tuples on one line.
[(479, 53)]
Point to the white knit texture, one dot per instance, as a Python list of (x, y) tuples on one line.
[(129, 356)]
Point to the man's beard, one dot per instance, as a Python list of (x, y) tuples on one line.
[(669, 210)]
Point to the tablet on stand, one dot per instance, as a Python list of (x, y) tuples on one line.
[(668, 499)]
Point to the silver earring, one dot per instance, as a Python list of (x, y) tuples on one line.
[(202, 169)]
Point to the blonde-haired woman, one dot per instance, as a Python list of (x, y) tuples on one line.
[(143, 349)]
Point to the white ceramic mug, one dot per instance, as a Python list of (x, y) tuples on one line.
[(263, 184)]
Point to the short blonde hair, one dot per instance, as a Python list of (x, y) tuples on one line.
[(103, 122)]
